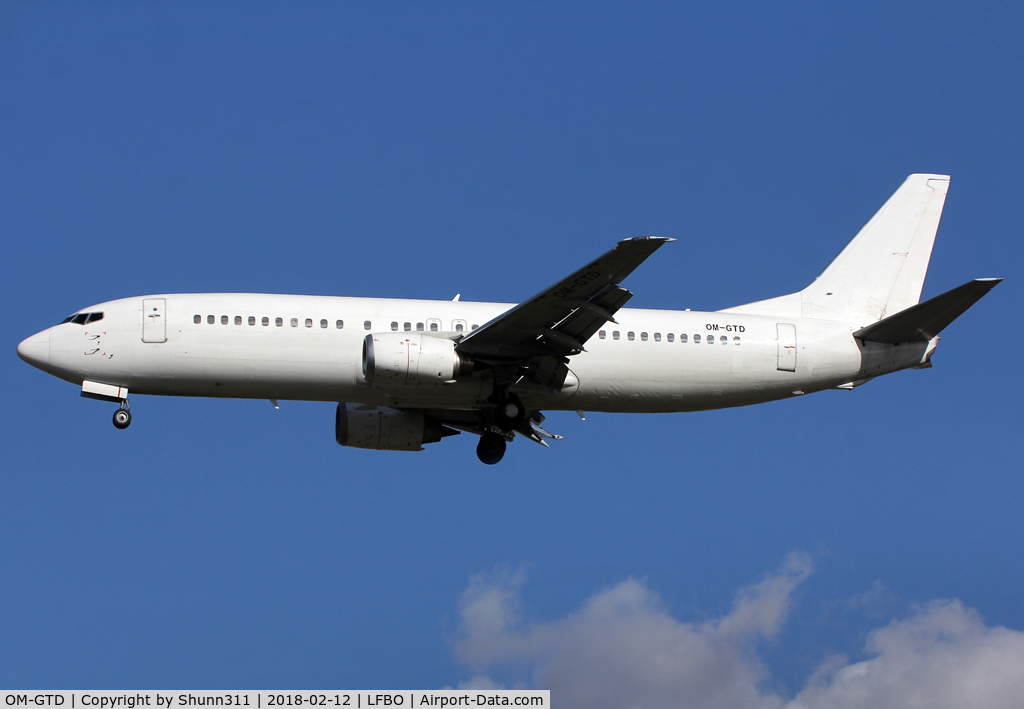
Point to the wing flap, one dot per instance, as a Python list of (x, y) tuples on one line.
[(587, 318)]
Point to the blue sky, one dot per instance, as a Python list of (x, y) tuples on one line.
[(423, 150)]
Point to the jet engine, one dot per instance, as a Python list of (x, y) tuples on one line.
[(383, 429), (404, 359)]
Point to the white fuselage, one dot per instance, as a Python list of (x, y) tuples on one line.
[(262, 346)]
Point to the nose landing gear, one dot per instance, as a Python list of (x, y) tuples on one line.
[(123, 416)]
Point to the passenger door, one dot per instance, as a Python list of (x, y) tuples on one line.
[(787, 347), (154, 320)]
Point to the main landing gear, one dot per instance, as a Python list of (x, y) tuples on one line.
[(509, 413), (491, 448), (123, 416)]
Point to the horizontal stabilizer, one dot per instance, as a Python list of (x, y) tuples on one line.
[(922, 322)]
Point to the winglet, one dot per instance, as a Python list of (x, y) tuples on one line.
[(664, 239)]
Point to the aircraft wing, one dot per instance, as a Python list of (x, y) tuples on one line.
[(560, 319)]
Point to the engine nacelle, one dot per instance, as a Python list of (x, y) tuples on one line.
[(409, 359), (383, 429)]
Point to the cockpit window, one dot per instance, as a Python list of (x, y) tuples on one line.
[(82, 318)]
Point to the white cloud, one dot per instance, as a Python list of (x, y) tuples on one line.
[(942, 656), (623, 649), (874, 602), (480, 682)]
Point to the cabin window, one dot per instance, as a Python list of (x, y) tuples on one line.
[(252, 320), (643, 336), (323, 324), (279, 322), (696, 339), (682, 337), (433, 327), (601, 335), (615, 334), (631, 335), (238, 320), (724, 340), (474, 327), (419, 327), (736, 340), (210, 319), (309, 322), (294, 322), (711, 339), (407, 326), (367, 324), (670, 337), (394, 326), (657, 337), (197, 319), (265, 321), (223, 319), (339, 324), (458, 327)]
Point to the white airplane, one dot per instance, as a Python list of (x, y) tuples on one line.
[(410, 372)]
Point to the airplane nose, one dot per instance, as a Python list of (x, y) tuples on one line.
[(36, 349)]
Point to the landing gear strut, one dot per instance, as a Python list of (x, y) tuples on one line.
[(509, 413), (491, 448), (122, 417)]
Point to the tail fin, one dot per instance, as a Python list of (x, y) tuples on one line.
[(881, 271)]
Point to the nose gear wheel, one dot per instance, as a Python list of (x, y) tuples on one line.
[(122, 418)]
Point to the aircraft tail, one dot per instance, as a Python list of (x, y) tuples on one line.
[(881, 271)]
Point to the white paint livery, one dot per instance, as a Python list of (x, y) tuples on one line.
[(409, 372)]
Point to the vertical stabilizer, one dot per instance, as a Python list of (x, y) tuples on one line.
[(881, 271)]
